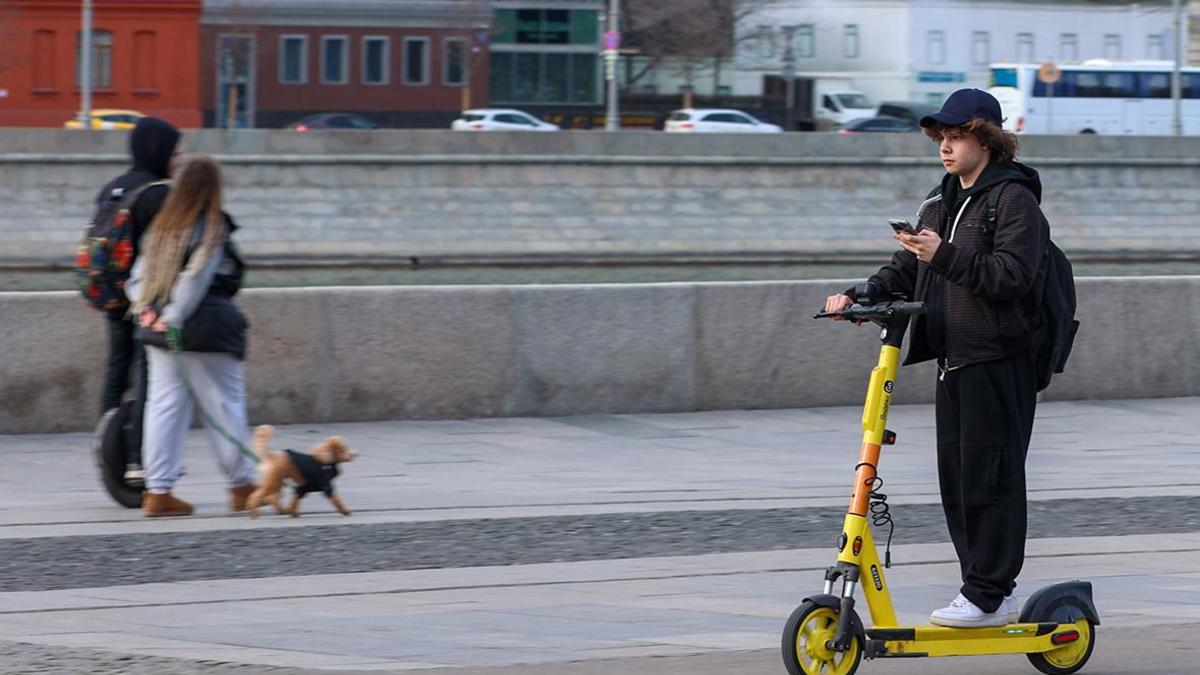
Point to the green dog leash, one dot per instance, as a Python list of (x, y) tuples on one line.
[(175, 341)]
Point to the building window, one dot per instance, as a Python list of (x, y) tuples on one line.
[(43, 61), (1156, 47), (235, 80), (501, 83), (1068, 47), (1112, 46), (1024, 47), (524, 77), (935, 46), (546, 26), (102, 44), (375, 50), (555, 77), (806, 41), (416, 60), (584, 78), (334, 50), (765, 37), (145, 44), (528, 83), (981, 48), (293, 59), (850, 41), (454, 61)]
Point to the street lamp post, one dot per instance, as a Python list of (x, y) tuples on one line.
[(1176, 79), (612, 120), (85, 67), (789, 78)]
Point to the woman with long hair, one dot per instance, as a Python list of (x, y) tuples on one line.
[(185, 279)]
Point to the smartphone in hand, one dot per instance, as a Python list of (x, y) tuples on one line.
[(904, 226)]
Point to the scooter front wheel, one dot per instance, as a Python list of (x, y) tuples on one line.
[(805, 651), (1072, 656)]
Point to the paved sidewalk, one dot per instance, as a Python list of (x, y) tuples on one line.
[(1113, 453)]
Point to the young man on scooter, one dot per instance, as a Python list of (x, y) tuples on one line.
[(977, 261)]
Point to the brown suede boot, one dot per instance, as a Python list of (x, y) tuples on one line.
[(239, 495), (155, 506)]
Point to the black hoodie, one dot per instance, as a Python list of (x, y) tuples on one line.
[(985, 282), (955, 196), (151, 145)]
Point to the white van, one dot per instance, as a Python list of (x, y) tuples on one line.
[(843, 106)]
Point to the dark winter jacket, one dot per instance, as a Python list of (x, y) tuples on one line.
[(151, 144), (984, 285), (201, 303)]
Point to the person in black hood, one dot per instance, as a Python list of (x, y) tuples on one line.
[(978, 262), (154, 146)]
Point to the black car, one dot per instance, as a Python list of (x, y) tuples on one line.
[(333, 121), (906, 110), (883, 124)]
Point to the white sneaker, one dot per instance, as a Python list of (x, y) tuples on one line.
[(962, 613)]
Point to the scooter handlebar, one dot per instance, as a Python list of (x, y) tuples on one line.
[(879, 311)]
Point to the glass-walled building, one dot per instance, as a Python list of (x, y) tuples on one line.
[(546, 52)]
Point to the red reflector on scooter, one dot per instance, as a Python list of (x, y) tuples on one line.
[(1064, 637)]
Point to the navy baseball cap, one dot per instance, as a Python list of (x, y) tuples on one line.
[(963, 105)]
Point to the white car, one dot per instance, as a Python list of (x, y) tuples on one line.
[(499, 119), (715, 120)]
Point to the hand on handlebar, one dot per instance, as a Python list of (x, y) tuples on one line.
[(837, 303)]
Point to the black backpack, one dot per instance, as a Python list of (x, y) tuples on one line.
[(105, 254), (1056, 332)]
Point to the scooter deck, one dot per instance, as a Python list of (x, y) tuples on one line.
[(1014, 638)]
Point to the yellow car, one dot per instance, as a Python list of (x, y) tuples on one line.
[(107, 119)]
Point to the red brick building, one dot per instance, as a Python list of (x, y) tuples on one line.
[(144, 56), (399, 63)]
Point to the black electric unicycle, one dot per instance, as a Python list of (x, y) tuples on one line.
[(119, 464)]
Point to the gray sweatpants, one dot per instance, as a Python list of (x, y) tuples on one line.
[(218, 380)]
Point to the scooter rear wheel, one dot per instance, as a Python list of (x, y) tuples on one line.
[(804, 643), (1072, 656), (108, 447)]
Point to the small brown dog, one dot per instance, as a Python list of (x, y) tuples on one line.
[(312, 472)]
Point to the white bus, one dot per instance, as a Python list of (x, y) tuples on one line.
[(1096, 97)]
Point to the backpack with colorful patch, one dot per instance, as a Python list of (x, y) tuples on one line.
[(105, 255)]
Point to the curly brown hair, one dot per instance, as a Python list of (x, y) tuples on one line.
[(1001, 143)]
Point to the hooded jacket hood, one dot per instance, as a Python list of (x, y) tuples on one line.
[(151, 145), (993, 174)]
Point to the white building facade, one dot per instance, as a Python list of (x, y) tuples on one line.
[(921, 50)]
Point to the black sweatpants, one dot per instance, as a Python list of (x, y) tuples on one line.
[(984, 421), (126, 361)]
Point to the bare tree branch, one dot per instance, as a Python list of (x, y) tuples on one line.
[(693, 35)]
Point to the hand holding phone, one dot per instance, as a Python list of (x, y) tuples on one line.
[(904, 226)]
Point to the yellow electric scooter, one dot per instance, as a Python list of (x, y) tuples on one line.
[(824, 635)]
